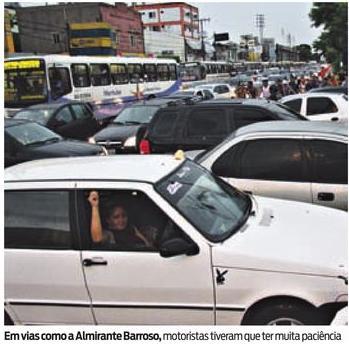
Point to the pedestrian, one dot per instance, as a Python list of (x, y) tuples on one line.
[(265, 92), (251, 90)]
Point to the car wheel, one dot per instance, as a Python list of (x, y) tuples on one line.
[(7, 319), (285, 314)]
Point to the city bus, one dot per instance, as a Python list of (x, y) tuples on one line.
[(107, 83), (192, 73)]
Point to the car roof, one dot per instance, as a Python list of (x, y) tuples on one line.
[(154, 102), (149, 168), (244, 101), (51, 105), (295, 126), (312, 94)]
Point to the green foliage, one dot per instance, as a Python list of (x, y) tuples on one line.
[(333, 41)]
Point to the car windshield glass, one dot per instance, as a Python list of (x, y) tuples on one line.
[(136, 114), (286, 112), (216, 209), (37, 115), (32, 133)]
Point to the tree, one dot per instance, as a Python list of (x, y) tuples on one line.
[(333, 41), (304, 51)]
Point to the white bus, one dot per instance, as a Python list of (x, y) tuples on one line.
[(107, 83), (194, 73)]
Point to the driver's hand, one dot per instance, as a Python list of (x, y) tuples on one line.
[(93, 198)]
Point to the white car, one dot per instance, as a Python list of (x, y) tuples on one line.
[(304, 161), (220, 91), (214, 255), (319, 106)]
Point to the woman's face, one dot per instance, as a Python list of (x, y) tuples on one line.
[(118, 219)]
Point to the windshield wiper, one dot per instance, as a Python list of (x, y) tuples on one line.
[(50, 140), (132, 122)]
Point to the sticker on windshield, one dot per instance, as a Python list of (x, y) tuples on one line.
[(174, 187), (183, 172)]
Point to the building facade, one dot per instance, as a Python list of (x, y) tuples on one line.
[(44, 29), (173, 17)]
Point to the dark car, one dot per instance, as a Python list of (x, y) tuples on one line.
[(124, 133), (203, 125), (26, 140), (330, 89), (69, 119)]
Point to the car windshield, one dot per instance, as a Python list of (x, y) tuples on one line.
[(136, 115), (32, 133), (286, 112), (215, 208), (37, 115)]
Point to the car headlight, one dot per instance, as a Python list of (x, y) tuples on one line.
[(91, 140), (130, 142), (103, 151)]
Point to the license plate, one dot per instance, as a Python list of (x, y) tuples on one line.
[(111, 150)]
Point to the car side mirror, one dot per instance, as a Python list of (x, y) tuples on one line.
[(178, 246)]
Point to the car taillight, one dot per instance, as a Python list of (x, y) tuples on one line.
[(144, 147)]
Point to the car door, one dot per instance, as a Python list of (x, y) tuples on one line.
[(64, 123), (44, 282), (86, 124), (321, 108), (130, 285), (272, 167), (329, 171)]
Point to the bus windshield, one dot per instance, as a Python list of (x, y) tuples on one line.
[(25, 83)]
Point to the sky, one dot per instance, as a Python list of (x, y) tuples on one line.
[(238, 18)]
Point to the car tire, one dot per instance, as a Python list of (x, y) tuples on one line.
[(283, 313), (7, 319)]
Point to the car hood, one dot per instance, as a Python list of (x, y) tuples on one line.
[(286, 236), (65, 148), (117, 132)]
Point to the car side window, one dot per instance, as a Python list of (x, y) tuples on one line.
[(273, 159), (81, 111), (37, 220), (329, 161), (64, 116), (165, 123), (228, 164), (207, 122), (130, 221), (294, 104), (248, 116), (320, 105)]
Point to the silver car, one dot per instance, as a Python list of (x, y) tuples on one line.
[(298, 160)]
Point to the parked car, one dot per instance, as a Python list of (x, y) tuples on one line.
[(330, 89), (69, 119), (192, 94), (124, 133), (25, 140), (319, 106), (299, 160), (203, 125), (219, 91), (236, 259)]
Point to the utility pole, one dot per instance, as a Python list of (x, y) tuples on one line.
[(202, 35)]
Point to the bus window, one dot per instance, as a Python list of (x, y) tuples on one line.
[(135, 72), (119, 74), (59, 82), (173, 72), (163, 72), (80, 75), (150, 72), (100, 75)]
